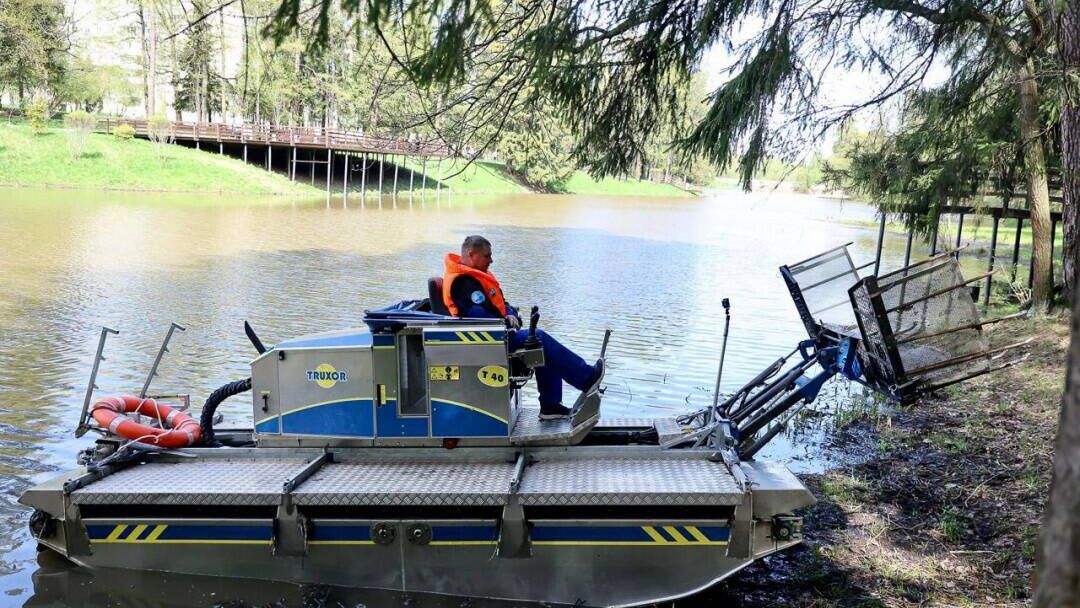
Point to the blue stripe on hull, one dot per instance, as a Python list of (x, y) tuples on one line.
[(351, 418), (451, 420)]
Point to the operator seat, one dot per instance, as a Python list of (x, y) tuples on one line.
[(434, 290)]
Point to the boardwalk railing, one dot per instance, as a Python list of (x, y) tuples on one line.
[(271, 135)]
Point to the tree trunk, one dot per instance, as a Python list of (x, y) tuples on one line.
[(1038, 190), (1069, 48), (1057, 582), (221, 75), (173, 69), (152, 88), (140, 14)]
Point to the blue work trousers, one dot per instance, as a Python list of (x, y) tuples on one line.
[(560, 363)]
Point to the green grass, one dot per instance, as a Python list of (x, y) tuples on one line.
[(107, 162), (583, 183), (479, 178), (484, 177)]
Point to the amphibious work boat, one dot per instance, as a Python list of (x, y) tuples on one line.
[(400, 456)]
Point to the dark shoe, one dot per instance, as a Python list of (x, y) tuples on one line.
[(554, 412), (598, 375)]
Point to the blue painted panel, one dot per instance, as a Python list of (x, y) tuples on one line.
[(590, 534), (463, 533), (384, 339), (392, 425), (452, 420), (270, 425), (361, 338), (352, 418), (325, 532), (179, 532)]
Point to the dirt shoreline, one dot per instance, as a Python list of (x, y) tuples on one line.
[(944, 507)]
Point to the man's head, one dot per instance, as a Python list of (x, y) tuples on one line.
[(476, 252)]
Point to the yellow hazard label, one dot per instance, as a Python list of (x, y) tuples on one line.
[(444, 372), (493, 375)]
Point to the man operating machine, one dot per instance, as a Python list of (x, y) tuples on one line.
[(469, 290)]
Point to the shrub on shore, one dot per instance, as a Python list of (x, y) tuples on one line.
[(124, 132), (38, 113), (79, 127)]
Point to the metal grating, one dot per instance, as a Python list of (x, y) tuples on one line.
[(920, 328), (629, 481), (195, 482), (819, 285), (412, 483)]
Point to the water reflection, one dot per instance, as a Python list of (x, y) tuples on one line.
[(652, 270)]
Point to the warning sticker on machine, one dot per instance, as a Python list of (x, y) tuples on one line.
[(444, 372)]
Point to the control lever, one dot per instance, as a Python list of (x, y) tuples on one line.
[(534, 317)]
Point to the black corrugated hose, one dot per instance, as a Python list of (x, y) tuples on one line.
[(206, 421)]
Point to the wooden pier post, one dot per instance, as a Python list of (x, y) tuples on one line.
[(1053, 237), (412, 174), (1016, 247), (438, 179), (270, 158), (423, 176), (959, 232), (993, 251), (363, 179), (292, 167), (311, 163), (346, 188), (880, 242), (395, 175), (329, 169), (907, 248), (933, 237), (221, 148), (381, 156), (245, 154)]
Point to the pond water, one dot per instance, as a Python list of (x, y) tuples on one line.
[(653, 270)]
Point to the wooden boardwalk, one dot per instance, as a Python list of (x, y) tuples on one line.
[(311, 138)]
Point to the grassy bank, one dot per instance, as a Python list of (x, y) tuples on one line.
[(944, 507), (108, 162), (978, 229), (484, 177)]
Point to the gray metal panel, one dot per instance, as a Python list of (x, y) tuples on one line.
[(666, 428), (776, 489), (264, 377), (297, 391), (196, 482), (629, 481), (528, 429), (417, 482)]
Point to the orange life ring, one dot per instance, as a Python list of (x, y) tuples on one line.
[(182, 431)]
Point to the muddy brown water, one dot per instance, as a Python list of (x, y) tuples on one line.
[(654, 270)]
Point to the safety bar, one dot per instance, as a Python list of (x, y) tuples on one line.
[(965, 358), (956, 329)]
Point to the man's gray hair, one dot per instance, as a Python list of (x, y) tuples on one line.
[(474, 242)]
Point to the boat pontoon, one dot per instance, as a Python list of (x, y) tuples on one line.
[(400, 456)]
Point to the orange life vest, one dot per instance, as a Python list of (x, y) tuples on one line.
[(454, 269)]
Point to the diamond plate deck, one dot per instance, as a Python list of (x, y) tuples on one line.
[(529, 428), (197, 482), (628, 481), (419, 483)]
